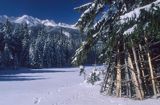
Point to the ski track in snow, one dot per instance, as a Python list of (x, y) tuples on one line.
[(58, 87)]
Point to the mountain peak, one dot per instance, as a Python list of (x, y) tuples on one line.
[(48, 23), (27, 19), (32, 21), (25, 16)]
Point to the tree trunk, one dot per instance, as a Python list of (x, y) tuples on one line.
[(134, 79), (151, 69), (118, 79), (151, 73), (127, 76), (144, 68), (138, 70)]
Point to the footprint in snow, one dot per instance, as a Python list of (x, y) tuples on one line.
[(37, 100), (49, 93)]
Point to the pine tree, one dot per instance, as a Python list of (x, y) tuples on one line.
[(127, 28), (7, 54), (37, 46), (25, 46)]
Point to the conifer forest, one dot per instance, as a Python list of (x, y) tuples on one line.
[(79, 52)]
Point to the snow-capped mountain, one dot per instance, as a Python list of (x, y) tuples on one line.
[(68, 30), (27, 19), (48, 23), (3, 18), (32, 21)]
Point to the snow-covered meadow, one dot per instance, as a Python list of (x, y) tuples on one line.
[(57, 86)]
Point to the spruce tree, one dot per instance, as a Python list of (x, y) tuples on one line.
[(127, 28), (7, 54), (25, 46)]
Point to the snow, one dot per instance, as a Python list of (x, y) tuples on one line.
[(93, 8), (48, 23), (66, 33), (66, 25), (136, 12), (32, 21), (27, 19), (130, 30), (3, 18), (145, 26), (84, 43), (55, 86), (74, 60), (83, 6), (95, 35)]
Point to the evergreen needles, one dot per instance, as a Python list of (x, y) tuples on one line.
[(130, 32)]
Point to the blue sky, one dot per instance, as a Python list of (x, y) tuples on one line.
[(58, 10)]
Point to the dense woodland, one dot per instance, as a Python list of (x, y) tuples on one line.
[(130, 31), (38, 46)]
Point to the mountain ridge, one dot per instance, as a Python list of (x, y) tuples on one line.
[(33, 21)]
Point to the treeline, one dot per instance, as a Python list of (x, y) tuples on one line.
[(37, 46)]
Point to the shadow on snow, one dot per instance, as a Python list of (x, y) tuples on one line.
[(13, 75)]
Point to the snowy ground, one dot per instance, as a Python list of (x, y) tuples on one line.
[(55, 87)]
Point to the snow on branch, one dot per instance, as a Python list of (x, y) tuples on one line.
[(89, 14), (82, 8), (130, 30), (136, 12)]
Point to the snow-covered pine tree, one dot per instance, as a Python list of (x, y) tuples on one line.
[(128, 28), (25, 46), (38, 45), (37, 48), (18, 37), (7, 54)]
